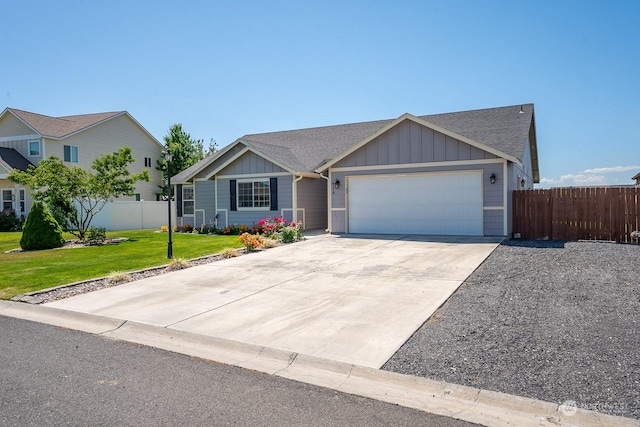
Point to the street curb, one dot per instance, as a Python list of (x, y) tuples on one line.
[(485, 407)]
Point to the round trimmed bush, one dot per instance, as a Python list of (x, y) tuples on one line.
[(41, 230)]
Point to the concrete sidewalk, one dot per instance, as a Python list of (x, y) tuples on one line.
[(348, 299)]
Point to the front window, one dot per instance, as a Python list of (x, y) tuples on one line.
[(34, 148), (7, 199), (187, 200), (71, 154), (253, 194)]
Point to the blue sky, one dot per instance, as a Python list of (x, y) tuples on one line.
[(228, 68)]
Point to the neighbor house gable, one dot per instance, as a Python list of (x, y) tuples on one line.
[(12, 127)]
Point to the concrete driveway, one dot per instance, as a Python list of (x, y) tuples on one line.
[(353, 299)]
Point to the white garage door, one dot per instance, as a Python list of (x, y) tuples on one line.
[(434, 203)]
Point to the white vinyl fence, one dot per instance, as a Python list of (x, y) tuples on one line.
[(132, 215)]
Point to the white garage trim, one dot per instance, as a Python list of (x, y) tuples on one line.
[(438, 203), (420, 165)]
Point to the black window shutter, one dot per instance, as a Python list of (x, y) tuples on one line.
[(232, 194), (273, 193), (178, 198)]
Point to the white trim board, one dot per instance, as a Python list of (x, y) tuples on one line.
[(420, 165)]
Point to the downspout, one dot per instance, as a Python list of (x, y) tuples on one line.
[(294, 192), (328, 203), (505, 197)]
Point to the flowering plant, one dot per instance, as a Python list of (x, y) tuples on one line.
[(278, 229), (251, 241)]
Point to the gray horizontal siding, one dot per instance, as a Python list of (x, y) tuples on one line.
[(205, 200), (250, 217), (312, 196), (493, 223), (492, 193)]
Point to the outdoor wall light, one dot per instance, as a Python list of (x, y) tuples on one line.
[(492, 178), (336, 184), (522, 183)]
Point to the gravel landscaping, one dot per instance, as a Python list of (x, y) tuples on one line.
[(556, 321)]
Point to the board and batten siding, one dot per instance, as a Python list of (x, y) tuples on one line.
[(409, 142), (108, 137), (312, 197), (412, 148), (224, 158), (250, 163)]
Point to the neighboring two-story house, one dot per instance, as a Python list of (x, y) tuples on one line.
[(27, 138)]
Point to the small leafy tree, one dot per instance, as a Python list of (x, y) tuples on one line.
[(51, 182), (41, 230), (185, 152)]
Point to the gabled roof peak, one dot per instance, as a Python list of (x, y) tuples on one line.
[(60, 127)]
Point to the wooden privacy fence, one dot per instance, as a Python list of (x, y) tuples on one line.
[(574, 213)]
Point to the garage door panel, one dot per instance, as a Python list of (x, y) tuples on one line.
[(444, 204)]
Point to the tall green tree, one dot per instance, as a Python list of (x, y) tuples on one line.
[(52, 182), (185, 152)]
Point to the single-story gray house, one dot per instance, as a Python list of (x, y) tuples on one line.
[(441, 174)]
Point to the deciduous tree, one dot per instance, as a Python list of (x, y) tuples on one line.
[(51, 182)]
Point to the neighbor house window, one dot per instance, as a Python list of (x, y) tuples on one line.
[(71, 154), (147, 162), (253, 194), (22, 201), (7, 199), (34, 148), (187, 200)]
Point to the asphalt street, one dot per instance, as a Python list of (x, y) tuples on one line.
[(54, 376)]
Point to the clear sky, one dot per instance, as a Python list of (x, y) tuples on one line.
[(228, 68)]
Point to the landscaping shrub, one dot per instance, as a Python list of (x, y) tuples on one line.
[(10, 222), (41, 230), (187, 228), (206, 230), (229, 253), (119, 277), (178, 264), (63, 211), (95, 236), (278, 229), (291, 233), (250, 241), (231, 230)]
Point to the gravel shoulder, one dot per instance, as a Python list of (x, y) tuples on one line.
[(556, 321)]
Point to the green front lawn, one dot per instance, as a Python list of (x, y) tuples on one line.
[(24, 272)]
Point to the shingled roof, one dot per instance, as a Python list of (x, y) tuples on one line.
[(504, 129), (13, 159), (60, 127)]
